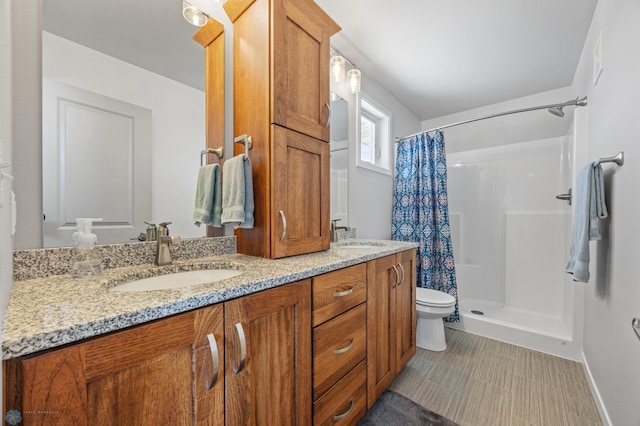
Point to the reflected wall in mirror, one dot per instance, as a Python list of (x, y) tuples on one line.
[(140, 54), (339, 163)]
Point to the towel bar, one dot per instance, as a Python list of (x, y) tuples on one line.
[(247, 141), (219, 152), (618, 159)]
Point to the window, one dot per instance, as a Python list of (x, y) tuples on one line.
[(374, 138)]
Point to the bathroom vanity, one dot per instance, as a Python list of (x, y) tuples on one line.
[(300, 340)]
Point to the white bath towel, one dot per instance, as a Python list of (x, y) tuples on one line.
[(208, 203), (589, 209), (237, 192)]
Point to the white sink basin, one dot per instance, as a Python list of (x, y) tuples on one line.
[(177, 280)]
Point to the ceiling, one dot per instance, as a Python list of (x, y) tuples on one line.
[(444, 56), (436, 56)]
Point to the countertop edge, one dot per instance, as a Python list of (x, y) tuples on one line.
[(13, 347)]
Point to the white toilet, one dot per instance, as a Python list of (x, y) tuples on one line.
[(431, 307)]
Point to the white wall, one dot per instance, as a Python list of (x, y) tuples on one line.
[(178, 121), (611, 123), (371, 193), (6, 245)]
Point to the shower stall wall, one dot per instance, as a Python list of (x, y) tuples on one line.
[(511, 243)]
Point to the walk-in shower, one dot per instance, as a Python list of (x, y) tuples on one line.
[(510, 238)]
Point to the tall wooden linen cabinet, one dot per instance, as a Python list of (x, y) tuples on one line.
[(281, 100)]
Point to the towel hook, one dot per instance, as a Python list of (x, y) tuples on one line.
[(219, 152), (247, 141)]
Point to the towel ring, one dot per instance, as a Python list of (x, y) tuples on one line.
[(247, 141), (219, 152)]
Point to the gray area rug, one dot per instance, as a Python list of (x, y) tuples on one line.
[(393, 409)]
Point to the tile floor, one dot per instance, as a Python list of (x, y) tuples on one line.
[(479, 381)]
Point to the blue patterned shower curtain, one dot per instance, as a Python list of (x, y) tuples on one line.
[(421, 211)]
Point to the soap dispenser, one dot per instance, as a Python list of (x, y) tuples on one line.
[(86, 261)]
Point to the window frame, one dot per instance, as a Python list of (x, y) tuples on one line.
[(382, 143)]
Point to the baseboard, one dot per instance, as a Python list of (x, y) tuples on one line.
[(602, 410)]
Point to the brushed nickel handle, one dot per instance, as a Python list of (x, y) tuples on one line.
[(328, 115), (343, 293), (345, 414), (635, 324), (214, 360), (397, 277), (284, 226), (402, 270), (345, 349), (243, 348)]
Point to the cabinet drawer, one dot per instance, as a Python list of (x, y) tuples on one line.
[(338, 291), (346, 402), (338, 345)]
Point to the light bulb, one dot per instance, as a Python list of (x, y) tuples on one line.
[(337, 67), (353, 80), (193, 15)]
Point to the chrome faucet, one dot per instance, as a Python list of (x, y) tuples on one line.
[(335, 229), (163, 254)]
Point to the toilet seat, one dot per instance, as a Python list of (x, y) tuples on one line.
[(430, 297)]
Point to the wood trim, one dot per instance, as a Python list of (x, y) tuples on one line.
[(208, 33), (235, 8), (12, 385), (251, 117)]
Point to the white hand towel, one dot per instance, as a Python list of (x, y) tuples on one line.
[(208, 203), (237, 192)]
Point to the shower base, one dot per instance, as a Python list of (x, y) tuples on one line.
[(519, 327)]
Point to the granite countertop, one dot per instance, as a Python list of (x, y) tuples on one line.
[(55, 310)]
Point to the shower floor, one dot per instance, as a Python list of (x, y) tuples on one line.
[(520, 327)]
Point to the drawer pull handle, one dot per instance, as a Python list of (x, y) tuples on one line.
[(343, 350), (345, 414), (343, 293), (284, 226), (397, 277), (243, 348), (401, 270), (214, 360)]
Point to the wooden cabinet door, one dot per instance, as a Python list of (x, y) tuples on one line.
[(273, 384), (300, 67), (142, 376), (209, 365), (405, 309), (300, 194), (381, 361)]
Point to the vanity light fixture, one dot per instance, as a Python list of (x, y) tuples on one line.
[(193, 15), (338, 66), (353, 80)]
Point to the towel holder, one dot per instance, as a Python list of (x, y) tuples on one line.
[(219, 152), (618, 159), (247, 141)]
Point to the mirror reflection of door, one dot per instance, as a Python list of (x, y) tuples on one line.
[(339, 160), (96, 162)]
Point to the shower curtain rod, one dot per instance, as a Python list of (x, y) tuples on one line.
[(555, 109)]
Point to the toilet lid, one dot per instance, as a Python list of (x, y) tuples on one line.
[(429, 297)]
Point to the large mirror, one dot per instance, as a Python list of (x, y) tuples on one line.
[(339, 163), (123, 117)]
